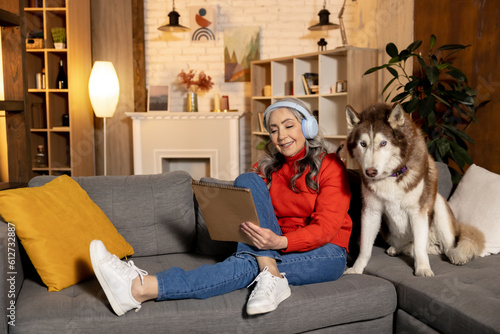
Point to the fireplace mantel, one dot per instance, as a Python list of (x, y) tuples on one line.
[(163, 139), (185, 115)]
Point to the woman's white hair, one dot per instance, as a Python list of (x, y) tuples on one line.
[(273, 160)]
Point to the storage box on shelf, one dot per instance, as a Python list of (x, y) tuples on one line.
[(62, 120), (284, 78)]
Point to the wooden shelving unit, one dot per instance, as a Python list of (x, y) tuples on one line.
[(284, 75), (69, 149)]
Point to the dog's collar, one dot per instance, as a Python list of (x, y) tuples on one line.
[(399, 172)]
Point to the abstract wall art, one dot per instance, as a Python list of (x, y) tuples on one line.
[(203, 23), (241, 47)]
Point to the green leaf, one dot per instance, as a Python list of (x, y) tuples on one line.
[(461, 97), (388, 85), (443, 146), (392, 50), (412, 84), (469, 91), (441, 99), (373, 69), (455, 175), (458, 133), (393, 72), (405, 54), (481, 105), (452, 47), (413, 46), (460, 155), (261, 145), (432, 73), (431, 119), (400, 97), (434, 61), (427, 106), (444, 65), (412, 105), (394, 60), (457, 74), (472, 113), (433, 42), (422, 63)]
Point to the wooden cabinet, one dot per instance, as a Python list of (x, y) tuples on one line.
[(62, 120), (273, 79)]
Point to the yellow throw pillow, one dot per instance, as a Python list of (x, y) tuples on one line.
[(56, 223)]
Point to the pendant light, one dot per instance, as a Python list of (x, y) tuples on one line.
[(324, 20), (173, 25)]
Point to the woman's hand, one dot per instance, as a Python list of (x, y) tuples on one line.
[(264, 238)]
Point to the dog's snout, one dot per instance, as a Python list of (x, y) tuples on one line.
[(371, 172)]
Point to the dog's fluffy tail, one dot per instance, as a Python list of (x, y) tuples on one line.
[(470, 243)]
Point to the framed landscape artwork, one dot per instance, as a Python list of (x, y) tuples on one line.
[(158, 98)]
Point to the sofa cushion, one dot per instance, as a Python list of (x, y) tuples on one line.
[(154, 213), (56, 223), (352, 299), (476, 202), (459, 299)]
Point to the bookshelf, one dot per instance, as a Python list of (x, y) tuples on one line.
[(62, 120), (284, 77)]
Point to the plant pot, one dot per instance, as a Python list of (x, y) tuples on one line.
[(60, 45), (192, 102)]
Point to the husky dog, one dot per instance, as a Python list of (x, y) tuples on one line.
[(399, 182)]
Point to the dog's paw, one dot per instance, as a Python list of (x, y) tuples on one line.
[(434, 250), (459, 258), (391, 251), (427, 272), (408, 250), (352, 271)]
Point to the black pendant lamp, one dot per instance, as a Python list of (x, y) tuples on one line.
[(173, 25), (324, 20)]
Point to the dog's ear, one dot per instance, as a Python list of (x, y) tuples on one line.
[(396, 116), (352, 118)]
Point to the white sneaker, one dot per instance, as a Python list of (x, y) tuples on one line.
[(115, 277), (269, 292)]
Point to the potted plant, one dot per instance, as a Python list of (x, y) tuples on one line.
[(438, 97), (59, 37), (194, 84)]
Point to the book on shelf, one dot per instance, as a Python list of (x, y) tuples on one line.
[(224, 208), (261, 122), (311, 83)]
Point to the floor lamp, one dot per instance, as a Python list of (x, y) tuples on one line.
[(104, 91)]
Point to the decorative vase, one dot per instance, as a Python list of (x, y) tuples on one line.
[(192, 102)]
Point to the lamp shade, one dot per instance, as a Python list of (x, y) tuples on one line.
[(324, 22), (104, 88), (173, 23)]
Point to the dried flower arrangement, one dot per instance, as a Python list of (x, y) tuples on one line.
[(202, 83)]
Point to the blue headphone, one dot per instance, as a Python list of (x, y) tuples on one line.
[(309, 123)]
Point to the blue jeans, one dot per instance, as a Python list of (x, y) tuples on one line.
[(326, 263)]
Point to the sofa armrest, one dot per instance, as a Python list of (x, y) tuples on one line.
[(12, 275)]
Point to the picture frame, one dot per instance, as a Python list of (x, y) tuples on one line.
[(158, 98)]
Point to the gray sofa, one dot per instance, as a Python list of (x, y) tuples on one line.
[(158, 216)]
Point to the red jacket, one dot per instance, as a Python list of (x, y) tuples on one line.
[(308, 219)]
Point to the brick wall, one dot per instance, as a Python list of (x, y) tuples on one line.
[(284, 32)]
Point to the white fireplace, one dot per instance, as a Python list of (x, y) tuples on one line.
[(200, 143)]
